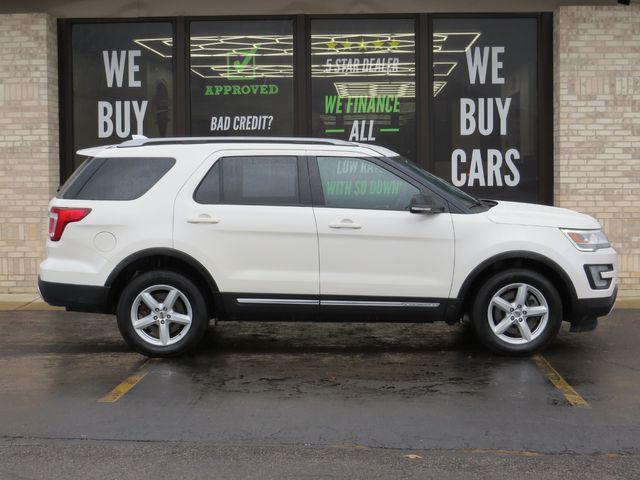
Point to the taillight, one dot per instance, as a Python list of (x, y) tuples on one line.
[(59, 217)]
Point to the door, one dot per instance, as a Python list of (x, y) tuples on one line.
[(247, 218), (373, 251)]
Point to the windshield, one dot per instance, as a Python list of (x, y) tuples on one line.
[(463, 197)]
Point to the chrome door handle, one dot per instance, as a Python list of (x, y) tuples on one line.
[(345, 223), (203, 218)]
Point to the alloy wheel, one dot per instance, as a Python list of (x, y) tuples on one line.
[(518, 313), (161, 315)]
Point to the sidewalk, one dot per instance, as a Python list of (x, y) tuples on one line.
[(29, 301), (24, 301)]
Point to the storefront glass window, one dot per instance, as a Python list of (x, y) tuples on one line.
[(363, 82), (122, 82), (241, 75), (485, 121)]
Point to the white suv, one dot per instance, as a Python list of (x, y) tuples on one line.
[(169, 233)]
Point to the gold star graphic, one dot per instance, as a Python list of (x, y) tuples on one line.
[(394, 43), (346, 44), (331, 45), (363, 44), (378, 44)]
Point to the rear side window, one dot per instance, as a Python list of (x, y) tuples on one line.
[(261, 180), (209, 190), (115, 178)]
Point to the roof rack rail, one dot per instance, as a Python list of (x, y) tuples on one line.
[(139, 141)]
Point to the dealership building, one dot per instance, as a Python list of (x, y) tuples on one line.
[(533, 101)]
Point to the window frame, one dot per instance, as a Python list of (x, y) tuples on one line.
[(302, 78), (304, 189), (417, 55), (299, 56), (544, 83), (65, 82)]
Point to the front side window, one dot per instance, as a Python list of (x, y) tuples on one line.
[(263, 180), (358, 183), (438, 182)]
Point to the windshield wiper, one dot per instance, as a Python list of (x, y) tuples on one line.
[(483, 202)]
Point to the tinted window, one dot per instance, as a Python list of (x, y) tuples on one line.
[(116, 178), (251, 181), (209, 189), (431, 179), (357, 183)]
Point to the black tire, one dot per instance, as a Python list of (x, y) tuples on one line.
[(480, 315), (195, 298)]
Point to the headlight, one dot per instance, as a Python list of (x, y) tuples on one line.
[(587, 240)]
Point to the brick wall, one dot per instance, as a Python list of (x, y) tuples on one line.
[(597, 124), (28, 144)]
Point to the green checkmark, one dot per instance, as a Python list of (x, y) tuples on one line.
[(240, 66)]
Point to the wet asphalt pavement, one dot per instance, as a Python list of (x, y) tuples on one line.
[(311, 400)]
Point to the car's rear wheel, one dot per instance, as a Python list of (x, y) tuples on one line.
[(517, 312), (162, 314)]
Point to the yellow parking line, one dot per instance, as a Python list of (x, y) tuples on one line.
[(127, 384), (573, 397)]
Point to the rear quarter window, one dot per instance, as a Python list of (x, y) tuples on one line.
[(125, 178)]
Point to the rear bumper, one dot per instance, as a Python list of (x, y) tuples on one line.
[(585, 311), (75, 298)]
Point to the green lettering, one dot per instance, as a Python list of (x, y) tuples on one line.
[(371, 108), (332, 104), (349, 104), (255, 89)]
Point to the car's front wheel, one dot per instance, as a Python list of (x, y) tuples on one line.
[(162, 314), (517, 312)]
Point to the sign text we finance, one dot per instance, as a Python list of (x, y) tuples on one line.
[(383, 104)]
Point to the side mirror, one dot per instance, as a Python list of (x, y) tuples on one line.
[(422, 203)]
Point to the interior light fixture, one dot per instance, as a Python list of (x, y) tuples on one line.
[(375, 89), (454, 42), (438, 86)]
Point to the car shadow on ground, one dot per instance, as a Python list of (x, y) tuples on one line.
[(300, 337)]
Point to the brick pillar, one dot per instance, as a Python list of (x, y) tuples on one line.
[(597, 124), (29, 161)]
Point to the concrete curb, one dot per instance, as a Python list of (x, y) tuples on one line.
[(24, 301)]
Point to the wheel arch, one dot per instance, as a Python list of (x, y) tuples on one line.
[(517, 259), (157, 258)]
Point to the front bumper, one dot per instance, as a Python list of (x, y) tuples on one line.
[(76, 298), (584, 312)]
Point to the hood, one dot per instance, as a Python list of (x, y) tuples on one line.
[(540, 216)]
